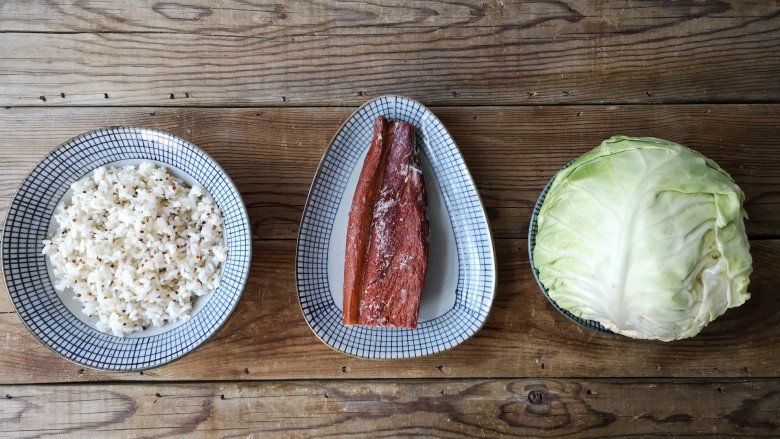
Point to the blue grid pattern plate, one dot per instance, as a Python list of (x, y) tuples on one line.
[(56, 320), (589, 324), (461, 279)]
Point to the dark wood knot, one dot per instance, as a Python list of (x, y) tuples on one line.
[(536, 397)]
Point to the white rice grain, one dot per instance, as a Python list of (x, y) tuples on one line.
[(136, 246)]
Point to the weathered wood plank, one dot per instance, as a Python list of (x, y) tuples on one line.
[(341, 17), (272, 154), (441, 408), (267, 337), (304, 53)]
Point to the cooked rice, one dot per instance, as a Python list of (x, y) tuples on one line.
[(136, 246)]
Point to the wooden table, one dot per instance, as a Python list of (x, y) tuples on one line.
[(524, 87)]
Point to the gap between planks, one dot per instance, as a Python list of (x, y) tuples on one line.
[(625, 379), (343, 106)]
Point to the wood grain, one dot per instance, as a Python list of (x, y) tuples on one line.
[(524, 87), (343, 17), (472, 52), (272, 154), (440, 408), (524, 336)]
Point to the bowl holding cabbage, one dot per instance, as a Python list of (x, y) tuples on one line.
[(641, 237)]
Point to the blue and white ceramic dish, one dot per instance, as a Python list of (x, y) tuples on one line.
[(461, 278), (57, 320), (589, 324)]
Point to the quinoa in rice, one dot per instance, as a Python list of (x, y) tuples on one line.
[(136, 246)]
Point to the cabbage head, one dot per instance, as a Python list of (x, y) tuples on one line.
[(646, 237)]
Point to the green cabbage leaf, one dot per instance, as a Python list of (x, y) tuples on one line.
[(646, 237)]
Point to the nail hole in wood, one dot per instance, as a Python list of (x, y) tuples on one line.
[(648, 93), (222, 397), (566, 92), (105, 95), (455, 94), (361, 93), (440, 367), (43, 98), (345, 369), (62, 95), (592, 392), (476, 116), (172, 96), (542, 365), (186, 95), (284, 98), (531, 94), (158, 395), (7, 396), (536, 397), (142, 372), (81, 371), (579, 113), (326, 395), (153, 113), (720, 389), (246, 370), (707, 111)]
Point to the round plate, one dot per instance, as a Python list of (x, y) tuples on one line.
[(589, 324), (460, 282), (53, 319)]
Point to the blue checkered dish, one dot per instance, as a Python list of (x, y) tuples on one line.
[(461, 274), (532, 229), (27, 223)]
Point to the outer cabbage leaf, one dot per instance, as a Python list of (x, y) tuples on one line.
[(646, 237)]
